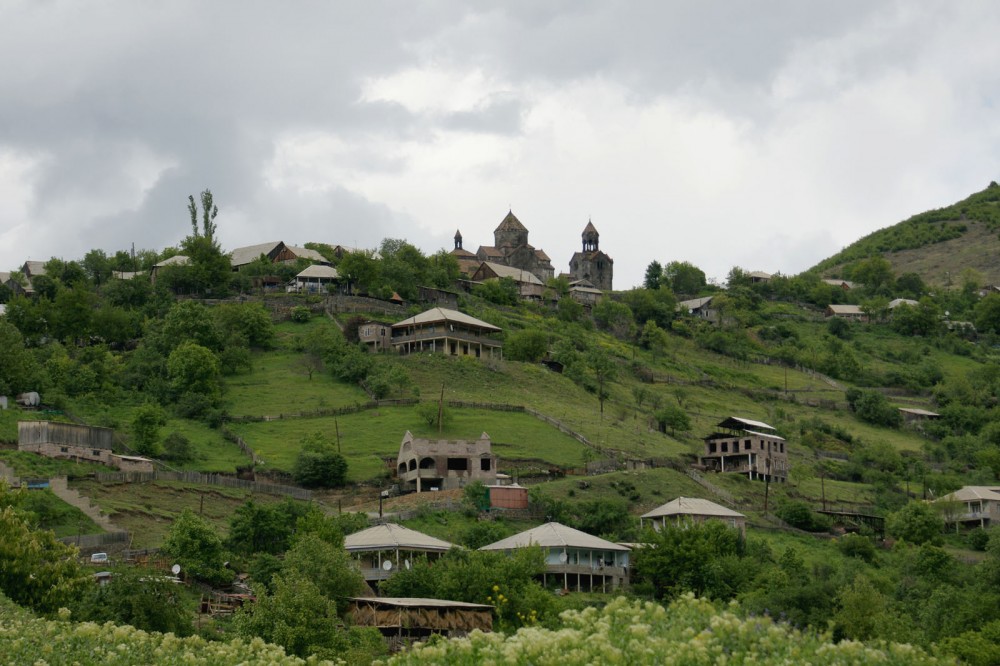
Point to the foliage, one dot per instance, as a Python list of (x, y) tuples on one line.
[(301, 314), (178, 448), (318, 465), (263, 528), (146, 423), (689, 631), (327, 565), (195, 545), (916, 523), (503, 291), (431, 412), (36, 570), (529, 345), (674, 418), (144, 599), (194, 369), (798, 514), (684, 278), (17, 366), (873, 407), (682, 559)]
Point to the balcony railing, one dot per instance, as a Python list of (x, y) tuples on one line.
[(421, 336)]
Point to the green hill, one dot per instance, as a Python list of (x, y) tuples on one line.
[(937, 245)]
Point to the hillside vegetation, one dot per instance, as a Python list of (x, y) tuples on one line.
[(939, 245)]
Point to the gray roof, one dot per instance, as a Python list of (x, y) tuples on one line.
[(554, 535), (445, 315), (748, 422), (318, 271), (244, 255), (972, 493), (391, 536), (692, 506), (176, 260), (846, 309), (306, 253), (896, 302), (694, 303), (33, 268), (4, 276), (516, 274), (418, 602), (917, 412)]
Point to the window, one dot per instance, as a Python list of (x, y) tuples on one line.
[(725, 447), (747, 444), (97, 452), (485, 464), (63, 449), (458, 464), (711, 447)]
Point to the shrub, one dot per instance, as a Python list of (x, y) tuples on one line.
[(300, 314)]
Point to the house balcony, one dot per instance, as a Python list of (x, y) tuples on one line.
[(464, 336)]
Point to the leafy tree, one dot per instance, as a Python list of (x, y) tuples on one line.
[(915, 523), (194, 544), (674, 418), (208, 213), (72, 312), (503, 291), (604, 370), (986, 314), (607, 518), (360, 270), (327, 565), (680, 559), (144, 599), (386, 379), (648, 305), (863, 612), (263, 528), (146, 423), (614, 317), (430, 412), (194, 369), (800, 515), (684, 278), (529, 344), (873, 407), (318, 465), (653, 276), (248, 319), (190, 321), (875, 273), (569, 310), (654, 338), (18, 370), (177, 447), (483, 533), (36, 570)]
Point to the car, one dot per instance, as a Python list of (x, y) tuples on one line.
[(97, 558)]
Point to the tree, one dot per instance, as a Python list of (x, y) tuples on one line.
[(208, 212), (36, 570), (673, 418), (681, 559), (986, 314), (654, 338), (614, 317), (916, 523), (144, 599), (604, 370), (18, 371), (146, 423), (177, 447), (875, 273), (502, 291), (264, 528), (318, 465), (361, 271), (529, 345), (190, 321), (194, 369), (684, 278), (194, 544), (328, 565), (654, 273), (873, 407)]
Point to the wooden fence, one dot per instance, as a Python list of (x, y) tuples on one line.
[(96, 540), (331, 411), (205, 479)]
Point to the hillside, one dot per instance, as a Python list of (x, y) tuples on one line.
[(938, 245)]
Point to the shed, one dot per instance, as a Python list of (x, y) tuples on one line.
[(685, 510), (416, 617), (508, 497)]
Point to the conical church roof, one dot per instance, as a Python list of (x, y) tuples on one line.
[(511, 223), (590, 229)]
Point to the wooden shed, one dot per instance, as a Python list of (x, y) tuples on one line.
[(416, 617), (508, 497)]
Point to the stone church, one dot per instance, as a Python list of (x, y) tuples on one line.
[(511, 248), (591, 264)]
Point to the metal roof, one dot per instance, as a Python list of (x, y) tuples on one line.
[(418, 602), (747, 422), (917, 412), (318, 271), (692, 506), (968, 493), (445, 315), (516, 274), (554, 535), (241, 256), (176, 260), (846, 309), (391, 536)]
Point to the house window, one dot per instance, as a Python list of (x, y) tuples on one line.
[(97, 452), (781, 447), (458, 464), (746, 445), (484, 464), (711, 447), (725, 447), (63, 449)]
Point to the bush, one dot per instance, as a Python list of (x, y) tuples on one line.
[(300, 314), (916, 523), (528, 345), (178, 448), (318, 465), (800, 515), (855, 545)]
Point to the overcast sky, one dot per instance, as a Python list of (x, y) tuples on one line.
[(766, 135)]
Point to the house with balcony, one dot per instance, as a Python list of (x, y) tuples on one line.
[(747, 447), (381, 550), (693, 511), (972, 506), (574, 560), (449, 332), (441, 464)]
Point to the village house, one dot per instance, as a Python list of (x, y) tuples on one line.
[(448, 332), (20, 283), (759, 277), (573, 559), (176, 260), (511, 496), (316, 279), (699, 307), (746, 447), (915, 416), (975, 506), (693, 510), (585, 293), (76, 442), (843, 285), (382, 550), (852, 312), (440, 464), (375, 335), (896, 302), (529, 287), (275, 252)]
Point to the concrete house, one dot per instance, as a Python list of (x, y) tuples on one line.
[(424, 464), (376, 335), (693, 510), (585, 293), (699, 307), (381, 550), (76, 442), (978, 506), (573, 559), (746, 447), (449, 332)]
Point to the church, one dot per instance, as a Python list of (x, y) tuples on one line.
[(511, 248)]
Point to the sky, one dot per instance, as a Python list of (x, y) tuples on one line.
[(766, 135)]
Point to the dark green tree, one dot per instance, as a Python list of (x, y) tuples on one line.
[(318, 465)]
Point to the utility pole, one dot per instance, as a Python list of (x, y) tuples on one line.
[(441, 408), (337, 428)]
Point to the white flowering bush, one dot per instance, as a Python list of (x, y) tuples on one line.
[(25, 639), (690, 632)]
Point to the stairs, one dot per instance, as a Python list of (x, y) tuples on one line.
[(61, 489)]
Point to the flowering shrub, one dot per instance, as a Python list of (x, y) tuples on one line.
[(690, 631), (25, 639)]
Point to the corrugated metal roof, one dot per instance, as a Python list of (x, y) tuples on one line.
[(176, 260), (969, 493), (846, 309), (694, 303), (318, 271), (917, 412), (445, 315), (516, 274), (306, 253), (554, 535), (692, 506), (244, 255), (749, 422), (418, 602), (391, 536)]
